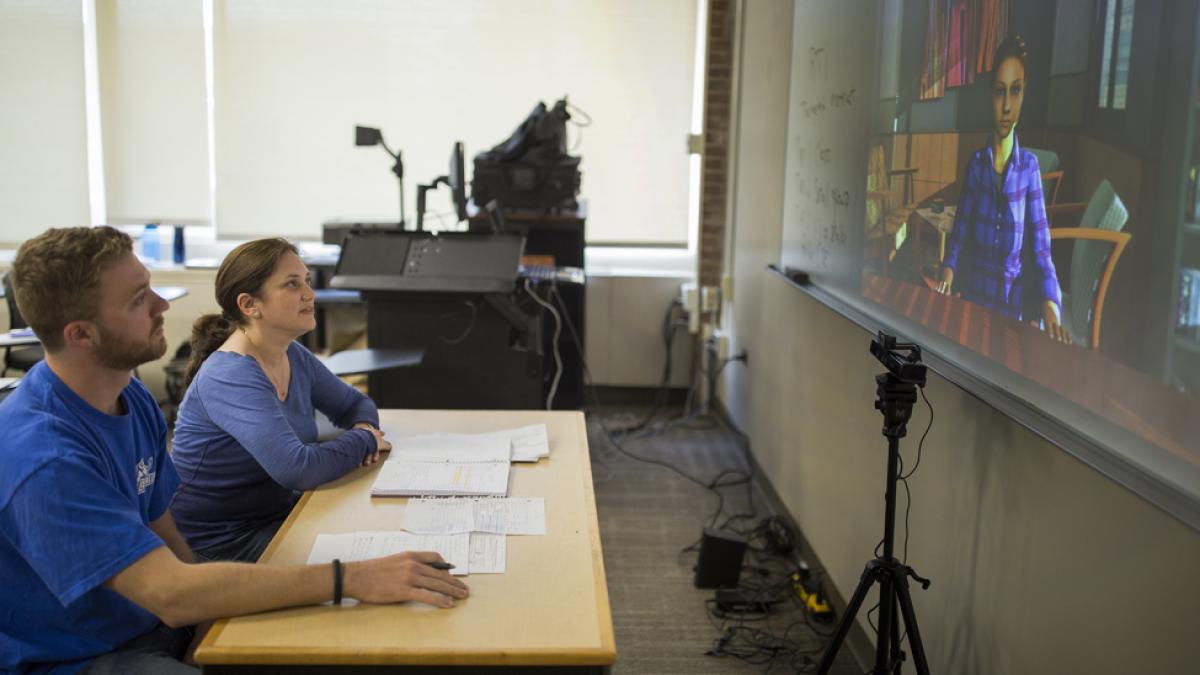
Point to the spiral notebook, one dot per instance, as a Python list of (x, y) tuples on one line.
[(425, 468)]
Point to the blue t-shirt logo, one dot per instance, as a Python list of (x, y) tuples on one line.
[(145, 475)]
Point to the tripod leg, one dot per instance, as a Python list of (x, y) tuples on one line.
[(860, 594), (910, 624), (887, 622), (894, 651)]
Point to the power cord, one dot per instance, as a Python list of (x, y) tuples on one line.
[(760, 628), (670, 325), (613, 441), (773, 538), (466, 331), (558, 363)]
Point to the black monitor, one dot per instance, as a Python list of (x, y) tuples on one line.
[(457, 180)]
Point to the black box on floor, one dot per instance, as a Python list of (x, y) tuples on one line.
[(720, 562), (747, 602)]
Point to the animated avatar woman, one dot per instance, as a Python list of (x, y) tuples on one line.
[(999, 250)]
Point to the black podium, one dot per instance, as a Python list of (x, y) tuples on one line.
[(458, 297), (557, 235)]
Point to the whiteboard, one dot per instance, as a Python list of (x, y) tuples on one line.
[(834, 49)]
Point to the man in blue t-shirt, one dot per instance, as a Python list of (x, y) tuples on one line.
[(96, 577)]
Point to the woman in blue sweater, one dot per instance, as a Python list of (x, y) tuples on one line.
[(246, 439)]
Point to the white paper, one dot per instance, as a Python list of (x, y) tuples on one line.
[(523, 444), (403, 479), (439, 516), (488, 553), (511, 515), (330, 546), (454, 548), (442, 447), (529, 443)]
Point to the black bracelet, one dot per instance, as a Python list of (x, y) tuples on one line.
[(337, 581)]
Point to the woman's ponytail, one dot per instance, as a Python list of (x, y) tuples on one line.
[(208, 334)]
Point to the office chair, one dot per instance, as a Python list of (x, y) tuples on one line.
[(1099, 243), (17, 358)]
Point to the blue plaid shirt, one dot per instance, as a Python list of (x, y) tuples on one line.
[(998, 234)]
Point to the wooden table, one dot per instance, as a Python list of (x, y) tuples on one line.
[(548, 613), (942, 222)]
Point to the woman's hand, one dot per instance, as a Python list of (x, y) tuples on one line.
[(381, 445), (947, 281), (1051, 323)]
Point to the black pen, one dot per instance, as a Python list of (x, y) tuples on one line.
[(441, 565)]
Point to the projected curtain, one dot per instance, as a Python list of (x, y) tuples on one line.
[(933, 76), (961, 37), (993, 28)]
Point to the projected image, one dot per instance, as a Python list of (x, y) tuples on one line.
[(1000, 221), (966, 194), (1033, 195)]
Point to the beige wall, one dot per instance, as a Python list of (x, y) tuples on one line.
[(1039, 564), (623, 331), (178, 319), (623, 326)]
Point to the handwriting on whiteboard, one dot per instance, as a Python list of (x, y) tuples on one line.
[(820, 204)]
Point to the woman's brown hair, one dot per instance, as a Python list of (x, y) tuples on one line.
[(1011, 47), (244, 270)]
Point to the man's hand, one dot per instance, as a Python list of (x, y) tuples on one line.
[(400, 577)]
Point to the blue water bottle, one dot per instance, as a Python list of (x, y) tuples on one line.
[(150, 244)]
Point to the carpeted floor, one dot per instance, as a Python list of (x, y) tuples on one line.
[(648, 514)]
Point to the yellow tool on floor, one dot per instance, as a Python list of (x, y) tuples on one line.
[(812, 595)]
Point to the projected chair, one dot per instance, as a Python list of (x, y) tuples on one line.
[(1098, 244), (888, 207), (18, 358)]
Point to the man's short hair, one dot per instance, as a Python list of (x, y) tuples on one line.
[(56, 277)]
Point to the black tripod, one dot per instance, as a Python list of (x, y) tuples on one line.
[(896, 392)]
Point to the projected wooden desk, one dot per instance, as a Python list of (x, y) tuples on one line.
[(1148, 408), (548, 613)]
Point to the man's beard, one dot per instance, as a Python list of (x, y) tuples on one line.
[(118, 354)]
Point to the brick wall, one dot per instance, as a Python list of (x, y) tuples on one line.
[(722, 15)]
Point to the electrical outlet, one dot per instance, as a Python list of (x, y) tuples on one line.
[(722, 342), (689, 298), (710, 299)]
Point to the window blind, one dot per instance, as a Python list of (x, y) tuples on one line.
[(293, 77)]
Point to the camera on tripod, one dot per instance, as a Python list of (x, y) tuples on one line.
[(896, 392), (902, 359), (896, 389)]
